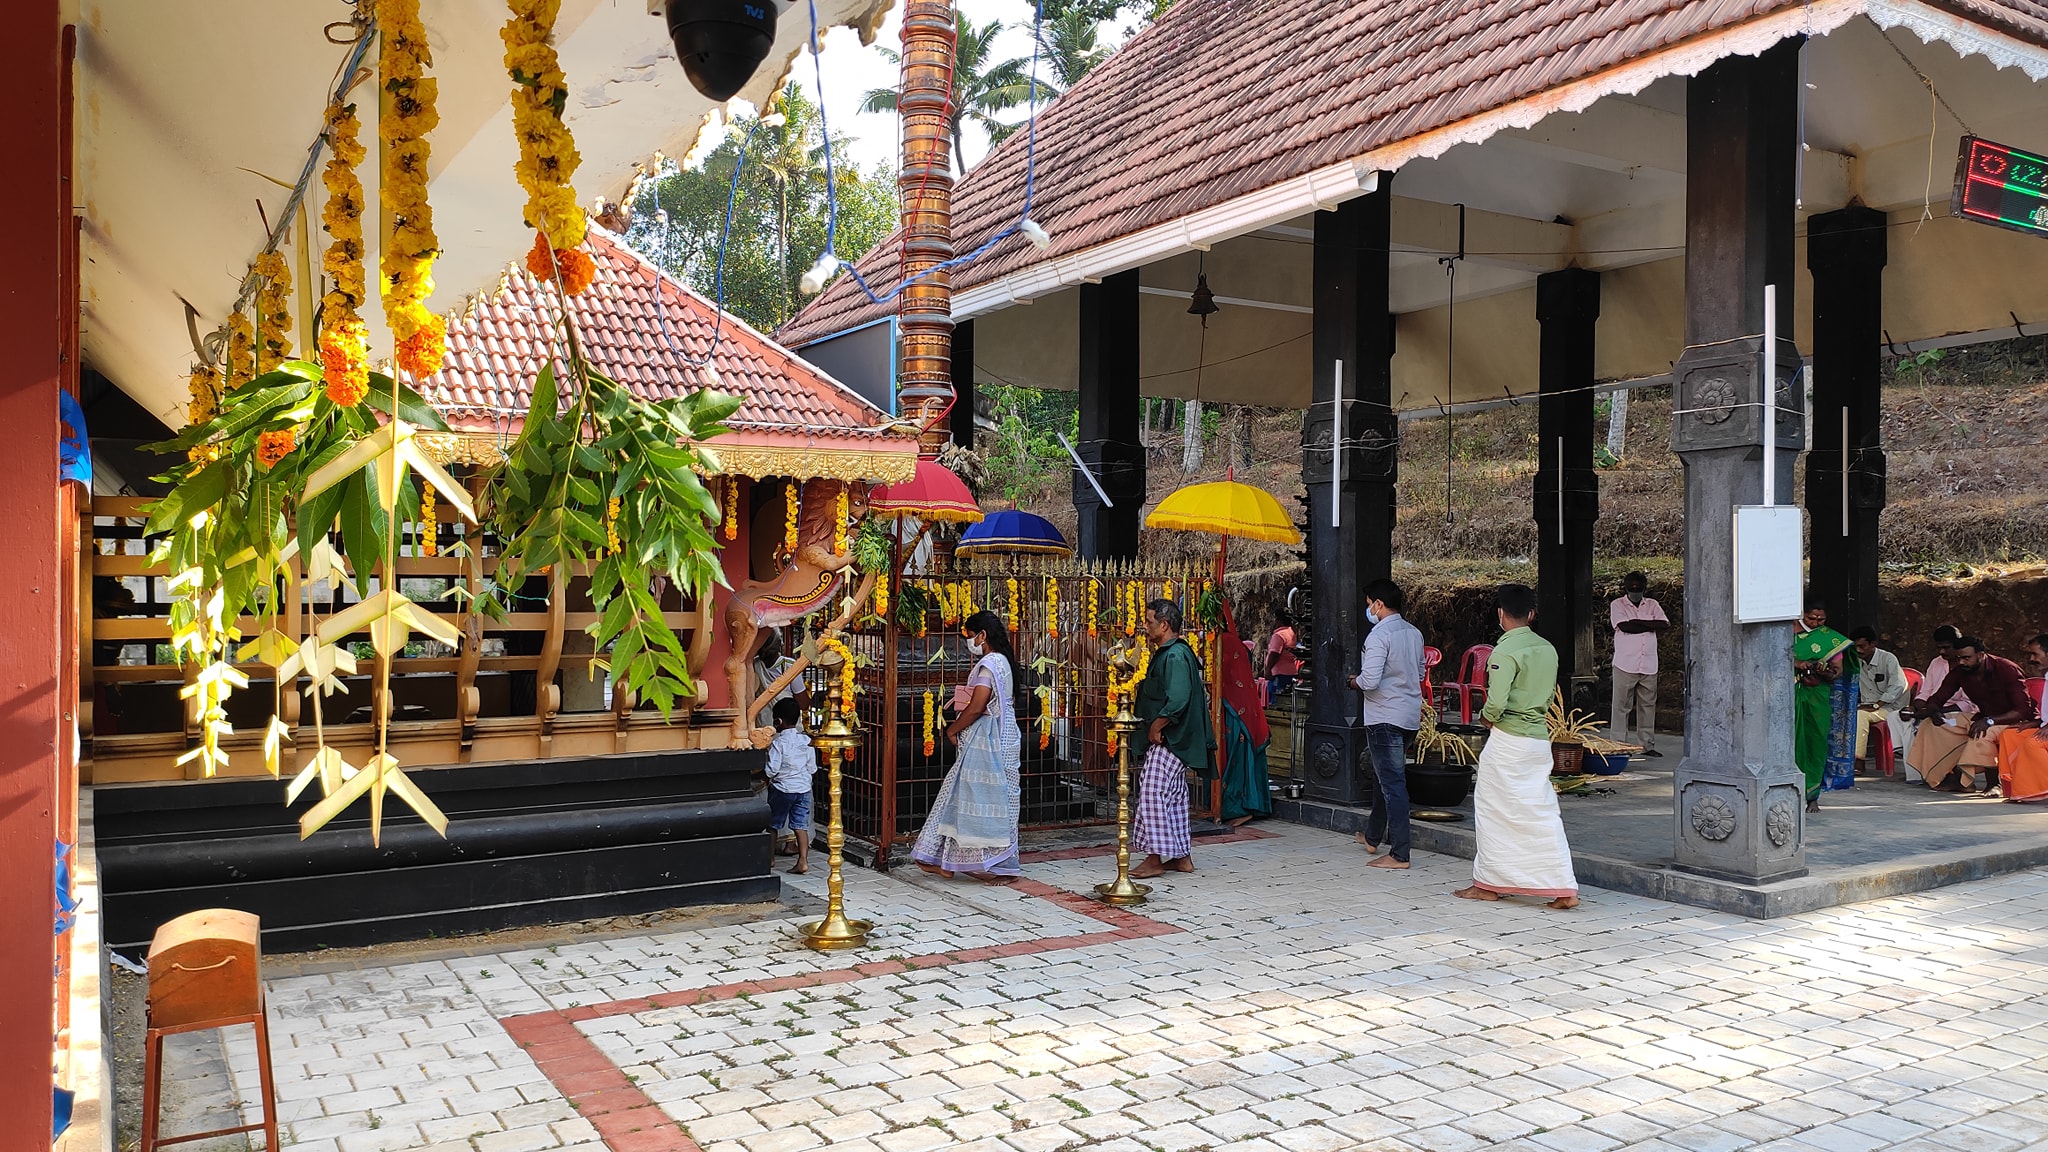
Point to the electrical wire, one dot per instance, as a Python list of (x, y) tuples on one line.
[(732, 197), (832, 184)]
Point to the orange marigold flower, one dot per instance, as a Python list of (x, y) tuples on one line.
[(574, 265), (421, 352), (272, 447), (344, 361)]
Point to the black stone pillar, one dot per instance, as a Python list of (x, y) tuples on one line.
[(1568, 307), (1110, 417), (1352, 325), (1740, 814), (963, 384), (1846, 251)]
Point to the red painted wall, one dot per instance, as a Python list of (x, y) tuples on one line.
[(735, 556), (31, 337)]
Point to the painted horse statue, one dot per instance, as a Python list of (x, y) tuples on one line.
[(808, 581)]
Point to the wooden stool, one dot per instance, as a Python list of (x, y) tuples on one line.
[(203, 973)]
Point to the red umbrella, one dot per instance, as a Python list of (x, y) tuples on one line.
[(934, 494)]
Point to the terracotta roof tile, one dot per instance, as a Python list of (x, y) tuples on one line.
[(632, 322), (1220, 98)]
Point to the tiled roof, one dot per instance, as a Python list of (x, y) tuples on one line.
[(1220, 98), (636, 325)]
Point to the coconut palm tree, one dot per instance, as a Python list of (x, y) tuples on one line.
[(980, 89), (1070, 41)]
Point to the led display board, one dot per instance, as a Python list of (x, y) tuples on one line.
[(2001, 185)]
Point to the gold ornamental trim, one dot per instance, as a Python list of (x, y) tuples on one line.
[(893, 465)]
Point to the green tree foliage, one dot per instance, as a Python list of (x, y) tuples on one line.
[(779, 218), (1024, 456)]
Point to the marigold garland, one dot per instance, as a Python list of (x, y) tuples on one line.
[(846, 672), (931, 711), (427, 542), (792, 496), (203, 453), (611, 525), (882, 597), (1016, 605), (547, 152), (576, 270), (839, 524), (205, 389), (273, 312), (344, 353), (1052, 608), (730, 529), (1093, 612), (407, 265), (241, 351), (271, 447)]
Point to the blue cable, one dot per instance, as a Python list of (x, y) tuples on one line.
[(732, 196), (832, 185)]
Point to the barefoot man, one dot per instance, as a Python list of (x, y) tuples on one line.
[(1522, 849), (1175, 707)]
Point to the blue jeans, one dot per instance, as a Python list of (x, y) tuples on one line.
[(1388, 823)]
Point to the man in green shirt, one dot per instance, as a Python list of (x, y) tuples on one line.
[(1174, 703), (1522, 848)]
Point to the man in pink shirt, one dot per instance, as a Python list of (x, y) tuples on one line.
[(1637, 620)]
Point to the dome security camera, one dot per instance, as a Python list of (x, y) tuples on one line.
[(720, 42)]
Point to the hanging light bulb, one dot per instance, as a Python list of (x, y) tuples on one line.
[(814, 281), (1036, 233), (709, 372)]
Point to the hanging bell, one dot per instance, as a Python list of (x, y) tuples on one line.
[(1202, 302)]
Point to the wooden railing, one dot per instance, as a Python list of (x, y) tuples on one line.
[(519, 687)]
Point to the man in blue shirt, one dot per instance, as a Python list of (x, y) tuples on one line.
[(1390, 676)]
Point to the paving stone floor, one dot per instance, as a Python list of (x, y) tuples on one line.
[(1282, 999)]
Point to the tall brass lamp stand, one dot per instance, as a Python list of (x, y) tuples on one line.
[(1123, 891), (835, 931)]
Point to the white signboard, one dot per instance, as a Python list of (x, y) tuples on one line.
[(1769, 564)]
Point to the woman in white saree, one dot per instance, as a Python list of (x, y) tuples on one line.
[(973, 823)]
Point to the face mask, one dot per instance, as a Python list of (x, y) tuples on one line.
[(1371, 617), (1635, 598), (974, 648)]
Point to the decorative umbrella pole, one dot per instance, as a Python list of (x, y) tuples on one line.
[(835, 931), (1123, 891)]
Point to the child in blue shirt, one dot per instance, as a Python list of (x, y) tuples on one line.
[(790, 765)]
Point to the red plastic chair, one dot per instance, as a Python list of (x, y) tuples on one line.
[(1470, 686), (1431, 657), (1881, 749), (2036, 685), (1912, 684)]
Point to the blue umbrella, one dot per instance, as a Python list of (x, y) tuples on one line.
[(1013, 533)]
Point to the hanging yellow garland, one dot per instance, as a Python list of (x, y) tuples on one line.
[(241, 351), (427, 541), (846, 673), (792, 495), (273, 312), (882, 597), (611, 525), (1016, 605), (344, 354), (1093, 613), (931, 712), (839, 524), (731, 528), (1052, 607), (967, 605), (407, 269), (547, 151), (205, 389), (1166, 590), (1134, 593)]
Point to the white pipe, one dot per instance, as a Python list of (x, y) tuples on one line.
[(1336, 443), (1770, 397), (1099, 493), (1560, 490), (1845, 469)]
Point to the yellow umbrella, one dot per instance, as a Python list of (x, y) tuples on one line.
[(1226, 508)]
